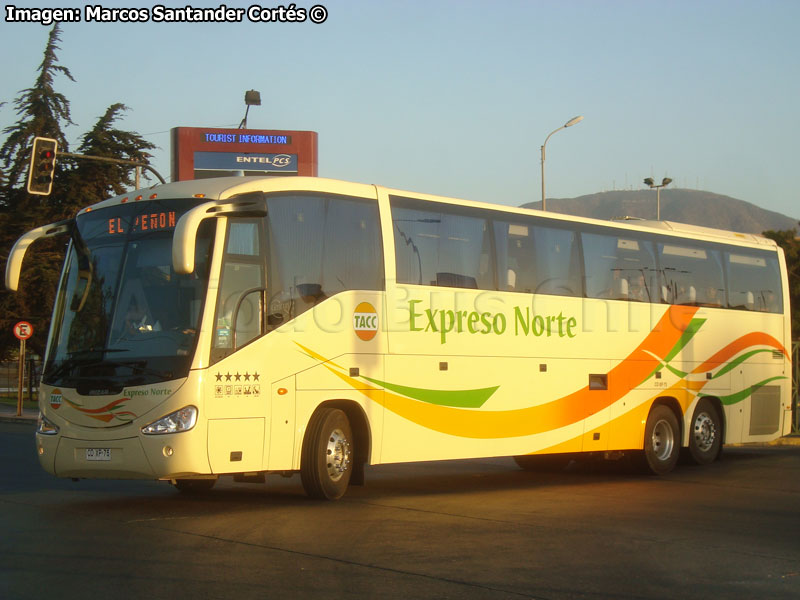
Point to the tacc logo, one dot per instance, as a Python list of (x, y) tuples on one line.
[(365, 321)]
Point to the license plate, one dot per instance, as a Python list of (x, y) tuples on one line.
[(98, 454)]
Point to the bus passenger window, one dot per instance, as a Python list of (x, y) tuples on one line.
[(689, 272), (515, 256), (239, 316), (754, 281), (620, 268), (320, 245), (442, 245), (557, 262)]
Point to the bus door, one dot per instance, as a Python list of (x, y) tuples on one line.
[(239, 408)]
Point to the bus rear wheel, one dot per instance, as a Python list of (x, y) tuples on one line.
[(326, 463), (705, 438), (661, 441)]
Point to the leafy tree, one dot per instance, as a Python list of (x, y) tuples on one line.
[(92, 181), (790, 243), (43, 111)]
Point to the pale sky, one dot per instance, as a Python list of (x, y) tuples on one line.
[(456, 97)]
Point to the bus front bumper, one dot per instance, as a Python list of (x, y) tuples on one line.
[(168, 456)]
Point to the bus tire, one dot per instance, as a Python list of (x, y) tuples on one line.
[(705, 435), (661, 441), (193, 486), (326, 462)]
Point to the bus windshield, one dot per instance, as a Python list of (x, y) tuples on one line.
[(123, 317)]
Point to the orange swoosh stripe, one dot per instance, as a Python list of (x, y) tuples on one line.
[(756, 338), (90, 411), (559, 413)]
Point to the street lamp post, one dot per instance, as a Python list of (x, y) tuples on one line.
[(664, 183), (251, 98), (569, 123)]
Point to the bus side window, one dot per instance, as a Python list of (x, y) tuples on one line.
[(620, 268), (443, 245), (754, 281), (692, 274), (515, 256), (320, 245), (557, 262), (242, 272)]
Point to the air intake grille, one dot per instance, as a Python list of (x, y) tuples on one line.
[(765, 410)]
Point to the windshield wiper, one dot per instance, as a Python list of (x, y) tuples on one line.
[(81, 358), (78, 354), (138, 367), (62, 369)]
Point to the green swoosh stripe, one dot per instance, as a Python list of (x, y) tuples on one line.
[(739, 396), (455, 398), (690, 331), (738, 361)]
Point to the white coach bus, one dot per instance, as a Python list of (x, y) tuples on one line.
[(242, 326)]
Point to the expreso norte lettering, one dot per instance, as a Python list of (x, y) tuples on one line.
[(474, 322)]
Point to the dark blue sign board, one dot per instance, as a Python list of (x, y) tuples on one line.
[(245, 161), (245, 138)]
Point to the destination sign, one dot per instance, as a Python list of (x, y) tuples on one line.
[(154, 221)]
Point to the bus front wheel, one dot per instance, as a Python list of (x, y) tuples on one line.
[(326, 463), (661, 441)]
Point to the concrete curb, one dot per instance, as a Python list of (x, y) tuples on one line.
[(9, 415), (788, 440)]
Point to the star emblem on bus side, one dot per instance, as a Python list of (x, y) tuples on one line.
[(237, 376)]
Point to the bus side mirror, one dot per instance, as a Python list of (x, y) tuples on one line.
[(185, 236), (183, 242), (14, 264)]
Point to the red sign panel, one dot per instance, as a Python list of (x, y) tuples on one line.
[(23, 330), (200, 152)]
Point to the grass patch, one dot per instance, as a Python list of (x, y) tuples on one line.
[(7, 400)]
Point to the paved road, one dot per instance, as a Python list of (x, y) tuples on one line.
[(467, 529)]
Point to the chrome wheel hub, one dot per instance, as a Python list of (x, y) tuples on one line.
[(663, 440), (704, 432), (338, 455)]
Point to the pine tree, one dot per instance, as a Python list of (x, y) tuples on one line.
[(45, 112), (91, 181)]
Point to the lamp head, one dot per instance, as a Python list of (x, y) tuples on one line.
[(649, 181), (573, 121), (252, 98), (666, 181)]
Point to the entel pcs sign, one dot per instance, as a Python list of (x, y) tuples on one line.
[(230, 161)]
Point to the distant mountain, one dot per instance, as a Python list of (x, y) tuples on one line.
[(684, 206)]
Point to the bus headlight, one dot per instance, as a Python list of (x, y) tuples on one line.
[(45, 427), (181, 420)]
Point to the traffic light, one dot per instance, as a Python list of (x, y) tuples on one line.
[(43, 163)]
